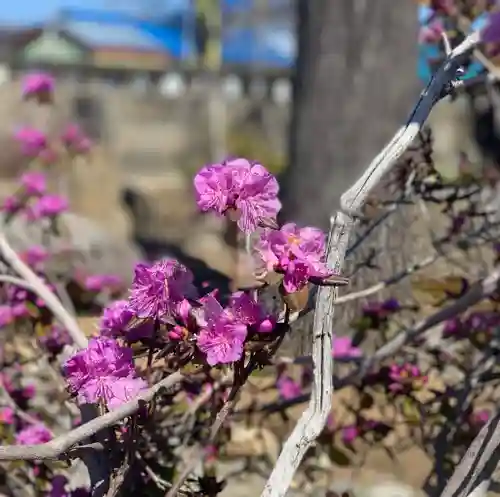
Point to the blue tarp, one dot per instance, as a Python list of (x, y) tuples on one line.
[(265, 45)]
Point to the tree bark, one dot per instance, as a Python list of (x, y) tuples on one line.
[(355, 83)]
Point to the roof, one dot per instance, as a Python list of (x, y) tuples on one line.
[(94, 35), (271, 45)]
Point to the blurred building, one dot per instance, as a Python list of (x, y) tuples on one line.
[(249, 44)]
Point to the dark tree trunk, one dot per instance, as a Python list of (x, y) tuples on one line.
[(356, 82)]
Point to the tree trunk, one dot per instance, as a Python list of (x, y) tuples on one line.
[(356, 82)]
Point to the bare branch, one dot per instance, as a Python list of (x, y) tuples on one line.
[(43, 291), (61, 444)]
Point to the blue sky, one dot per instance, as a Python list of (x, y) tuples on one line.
[(29, 11)]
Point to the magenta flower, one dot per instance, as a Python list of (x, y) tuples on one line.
[(104, 371), (35, 256), (7, 415), (343, 348), (55, 339), (34, 435), (480, 417), (74, 140), (243, 189), (6, 315), (405, 376), (117, 317), (34, 183), (159, 289), (39, 85), (288, 388), (32, 141), (222, 336), (100, 282), (247, 310), (11, 204), (349, 434), (48, 206), (298, 253)]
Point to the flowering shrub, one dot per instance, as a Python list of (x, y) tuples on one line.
[(168, 360)]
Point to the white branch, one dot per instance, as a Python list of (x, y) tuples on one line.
[(42, 291), (314, 418), (63, 443)]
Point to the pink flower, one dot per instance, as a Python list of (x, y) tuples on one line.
[(34, 183), (221, 335), (39, 85), (405, 376), (35, 256), (11, 204), (349, 434), (298, 253), (103, 371), (6, 415), (288, 388), (243, 189), (480, 417), (159, 289), (55, 339), (32, 141), (100, 282), (74, 140), (247, 310), (6, 315), (48, 206), (116, 318), (343, 348), (34, 435)]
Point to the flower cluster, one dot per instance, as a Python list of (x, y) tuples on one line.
[(33, 201), (103, 372)]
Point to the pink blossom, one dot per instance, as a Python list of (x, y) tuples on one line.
[(11, 204), (34, 435), (349, 434), (103, 371), (32, 141), (298, 253), (34, 183), (35, 256), (403, 376), (7, 415), (480, 417), (221, 336), (159, 289), (117, 317), (55, 339), (74, 139), (288, 388), (241, 188), (6, 315), (48, 206), (100, 282), (39, 85), (343, 348), (247, 310)]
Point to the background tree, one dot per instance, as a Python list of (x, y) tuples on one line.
[(355, 83)]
